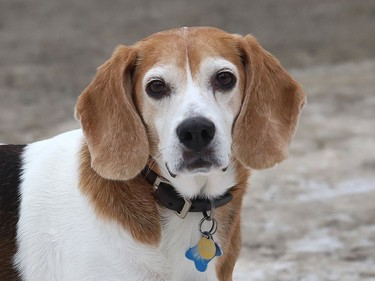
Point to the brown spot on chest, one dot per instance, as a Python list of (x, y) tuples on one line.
[(129, 203)]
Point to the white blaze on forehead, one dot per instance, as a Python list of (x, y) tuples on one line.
[(193, 93)]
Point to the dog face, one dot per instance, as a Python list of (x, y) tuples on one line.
[(192, 98), (189, 104)]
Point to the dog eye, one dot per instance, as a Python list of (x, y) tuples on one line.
[(225, 80), (157, 89)]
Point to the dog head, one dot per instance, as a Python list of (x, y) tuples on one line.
[(192, 98)]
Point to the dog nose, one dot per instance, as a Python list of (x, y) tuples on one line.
[(196, 133)]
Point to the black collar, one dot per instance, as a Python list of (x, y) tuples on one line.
[(166, 194)]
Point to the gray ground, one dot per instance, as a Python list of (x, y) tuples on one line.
[(310, 218)]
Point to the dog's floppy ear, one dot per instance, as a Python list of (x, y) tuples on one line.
[(115, 134), (270, 109)]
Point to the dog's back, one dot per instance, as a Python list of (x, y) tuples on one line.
[(10, 173)]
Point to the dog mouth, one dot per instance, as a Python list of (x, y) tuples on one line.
[(198, 164), (195, 162)]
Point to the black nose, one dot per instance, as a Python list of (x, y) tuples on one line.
[(196, 133)]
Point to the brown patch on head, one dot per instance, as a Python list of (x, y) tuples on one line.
[(129, 203), (192, 45), (205, 42), (166, 47)]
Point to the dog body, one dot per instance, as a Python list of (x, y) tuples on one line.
[(61, 238), (200, 107)]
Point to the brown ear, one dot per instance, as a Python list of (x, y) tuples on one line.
[(114, 132), (270, 109)]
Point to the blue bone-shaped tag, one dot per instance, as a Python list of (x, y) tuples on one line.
[(199, 262)]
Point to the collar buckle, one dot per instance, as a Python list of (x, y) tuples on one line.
[(158, 181), (187, 204), (185, 209)]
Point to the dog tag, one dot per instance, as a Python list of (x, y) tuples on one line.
[(201, 257), (207, 248)]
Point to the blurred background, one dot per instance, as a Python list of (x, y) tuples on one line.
[(310, 218)]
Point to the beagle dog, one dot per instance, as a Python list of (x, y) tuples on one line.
[(151, 187)]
